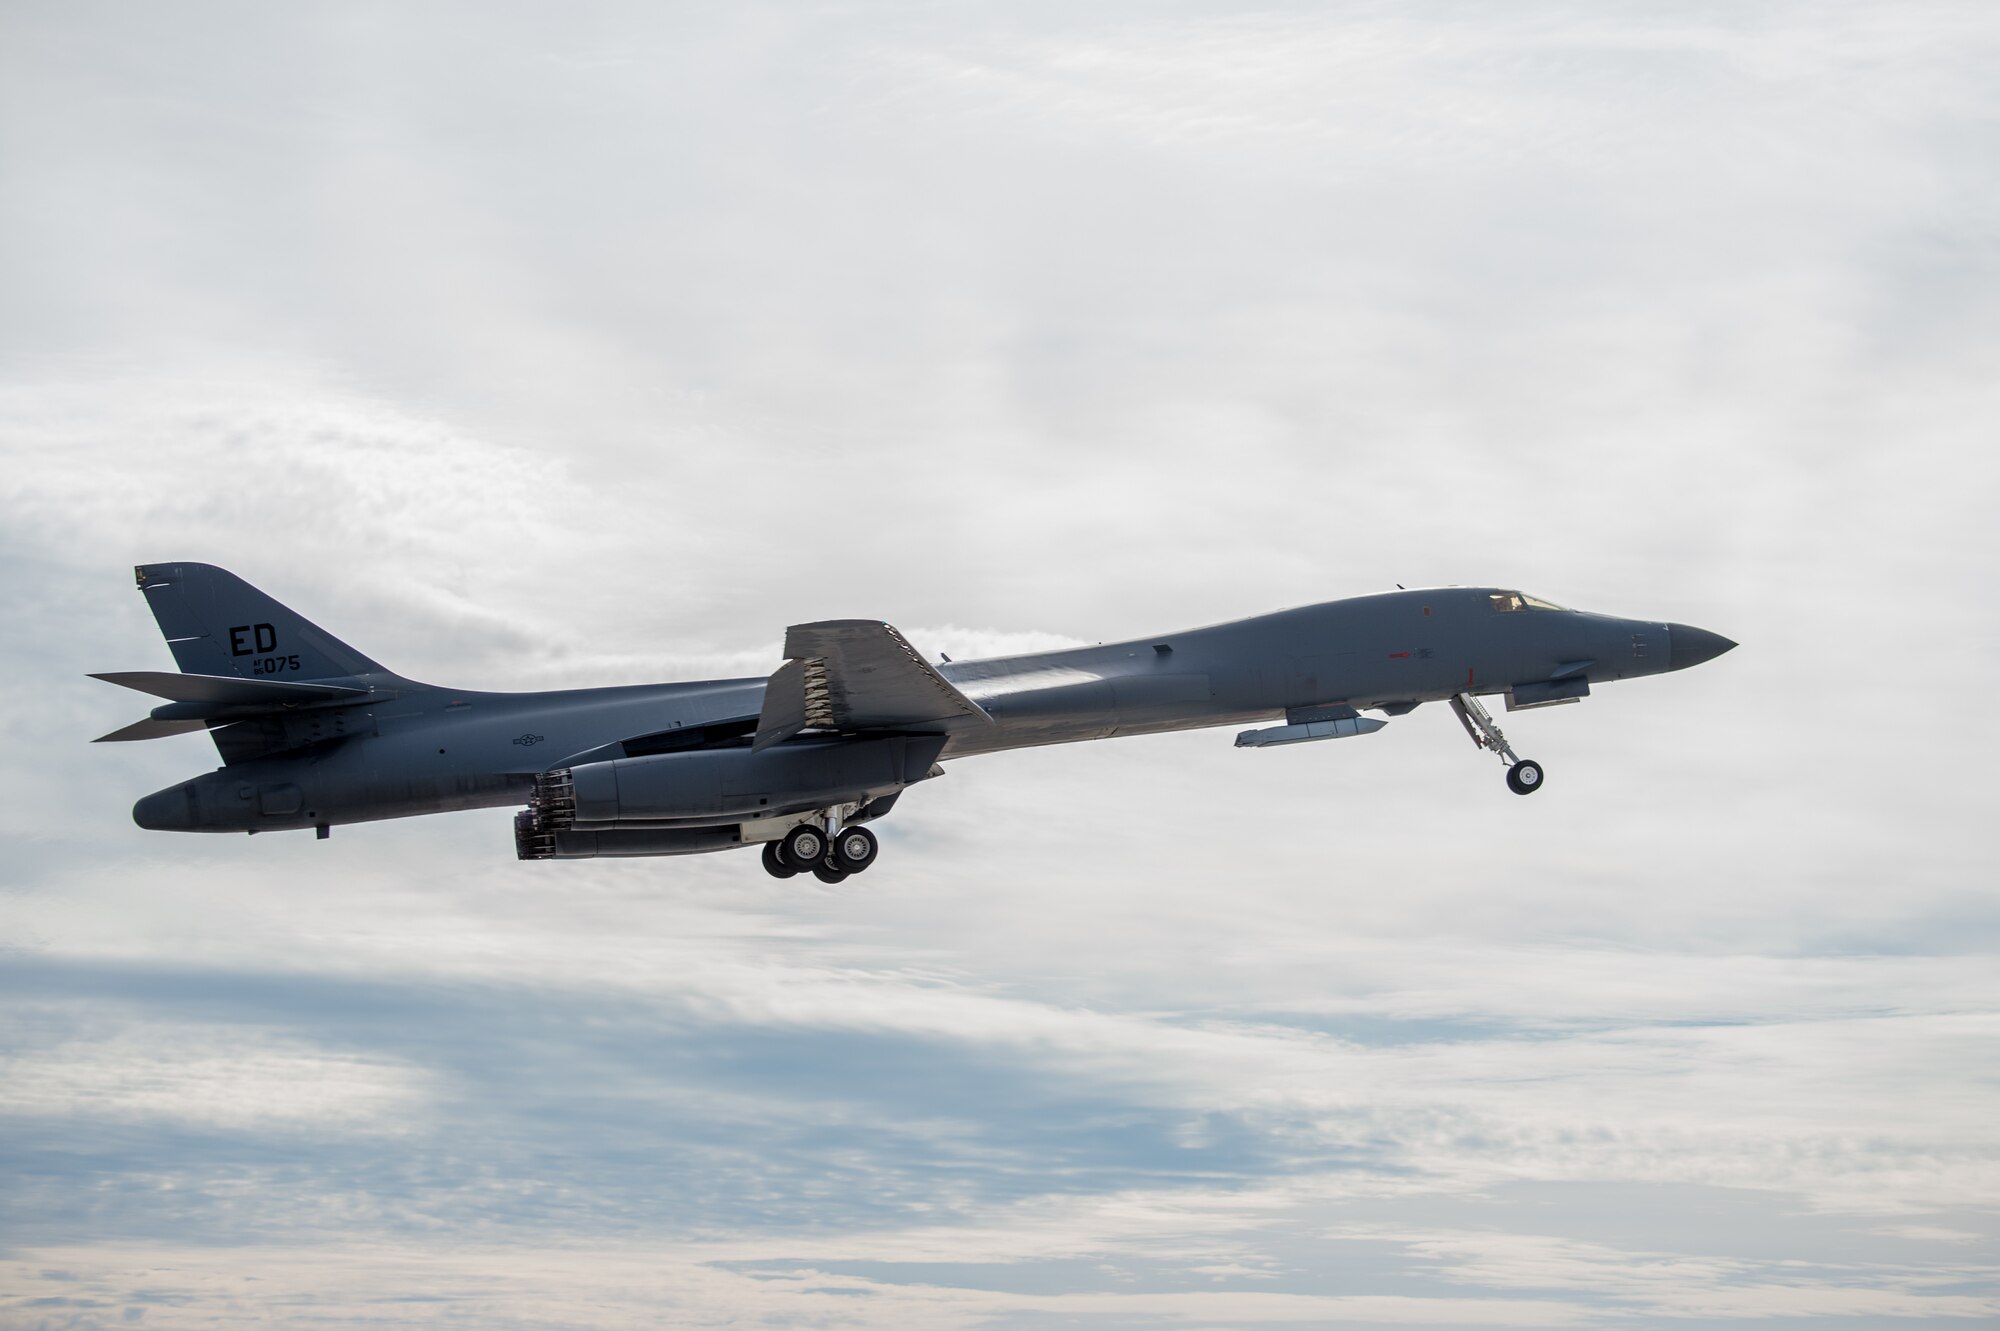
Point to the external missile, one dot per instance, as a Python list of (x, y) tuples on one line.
[(1340, 728)]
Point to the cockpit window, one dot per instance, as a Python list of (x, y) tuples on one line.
[(1508, 602)]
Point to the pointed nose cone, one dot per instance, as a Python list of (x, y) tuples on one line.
[(1691, 646)]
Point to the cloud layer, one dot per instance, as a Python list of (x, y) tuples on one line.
[(526, 350)]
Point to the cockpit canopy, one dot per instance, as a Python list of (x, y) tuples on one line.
[(1507, 603)]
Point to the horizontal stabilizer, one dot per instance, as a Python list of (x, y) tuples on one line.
[(855, 675), (151, 728), (229, 690)]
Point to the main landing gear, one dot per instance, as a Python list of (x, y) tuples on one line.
[(1524, 775), (829, 854)]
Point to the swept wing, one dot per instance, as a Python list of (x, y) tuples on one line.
[(856, 675)]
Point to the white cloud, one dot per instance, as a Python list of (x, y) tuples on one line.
[(527, 351), (225, 1079)]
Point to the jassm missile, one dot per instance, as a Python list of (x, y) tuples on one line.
[(1336, 728)]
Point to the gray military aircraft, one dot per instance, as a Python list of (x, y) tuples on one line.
[(312, 733)]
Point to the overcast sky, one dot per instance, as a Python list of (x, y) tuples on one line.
[(532, 346)]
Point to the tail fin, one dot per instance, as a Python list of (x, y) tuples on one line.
[(218, 624)]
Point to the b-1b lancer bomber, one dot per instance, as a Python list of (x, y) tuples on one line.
[(314, 734)]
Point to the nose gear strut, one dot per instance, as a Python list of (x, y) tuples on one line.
[(1524, 775)]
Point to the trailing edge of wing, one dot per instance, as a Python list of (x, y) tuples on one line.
[(228, 690), (857, 674), (786, 708)]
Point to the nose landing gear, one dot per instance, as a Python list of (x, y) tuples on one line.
[(1524, 775)]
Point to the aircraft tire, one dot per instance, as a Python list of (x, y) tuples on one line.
[(854, 849), (1525, 777), (826, 873), (775, 862), (804, 846)]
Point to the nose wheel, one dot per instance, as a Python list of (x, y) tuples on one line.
[(1524, 775)]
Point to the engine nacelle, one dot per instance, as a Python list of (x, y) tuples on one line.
[(715, 787), (532, 842)]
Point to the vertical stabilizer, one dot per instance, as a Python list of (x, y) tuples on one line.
[(217, 624)]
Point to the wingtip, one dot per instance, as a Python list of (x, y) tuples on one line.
[(151, 727)]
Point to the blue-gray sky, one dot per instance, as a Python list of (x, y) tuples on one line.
[(530, 346)]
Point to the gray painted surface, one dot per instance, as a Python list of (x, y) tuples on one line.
[(854, 718)]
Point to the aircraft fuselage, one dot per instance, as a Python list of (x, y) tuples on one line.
[(409, 748)]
